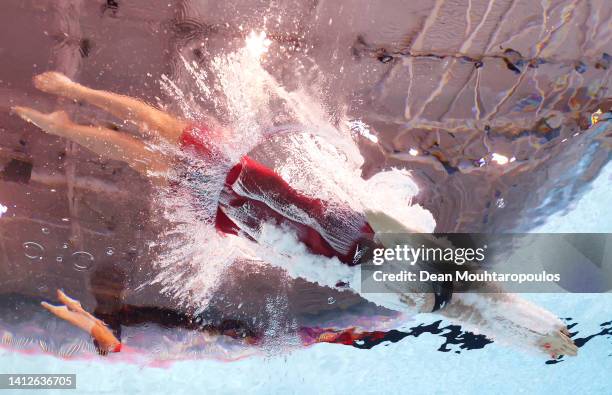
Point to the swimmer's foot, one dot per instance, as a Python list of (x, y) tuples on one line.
[(72, 304), (558, 343), (56, 83), (73, 312), (54, 123)]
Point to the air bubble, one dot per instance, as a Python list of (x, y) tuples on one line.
[(83, 260), (331, 300), (501, 203), (33, 250), (110, 251), (59, 259), (45, 230)]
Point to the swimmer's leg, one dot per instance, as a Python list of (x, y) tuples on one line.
[(73, 313), (146, 117), (104, 142)]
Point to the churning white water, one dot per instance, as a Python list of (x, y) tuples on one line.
[(298, 138)]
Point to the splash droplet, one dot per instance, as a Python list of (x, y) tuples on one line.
[(499, 158), (33, 250), (257, 44), (501, 203), (82, 260)]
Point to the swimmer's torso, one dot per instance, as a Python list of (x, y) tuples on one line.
[(253, 194)]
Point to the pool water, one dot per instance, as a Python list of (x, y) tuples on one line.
[(412, 363), (488, 116)]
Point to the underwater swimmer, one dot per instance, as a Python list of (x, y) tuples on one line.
[(254, 194)]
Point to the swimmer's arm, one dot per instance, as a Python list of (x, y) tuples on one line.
[(512, 320)]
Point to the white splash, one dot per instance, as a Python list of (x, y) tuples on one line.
[(291, 255), (257, 44), (499, 158), (361, 128), (314, 156), (3, 209)]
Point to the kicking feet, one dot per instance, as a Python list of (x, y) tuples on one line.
[(56, 83), (73, 312), (54, 123)]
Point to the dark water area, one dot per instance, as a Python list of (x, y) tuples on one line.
[(452, 333), (464, 341), (492, 111), (21, 318)]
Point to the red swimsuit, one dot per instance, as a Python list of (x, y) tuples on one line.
[(254, 194)]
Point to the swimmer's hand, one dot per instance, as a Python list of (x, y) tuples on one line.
[(73, 312), (558, 343)]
